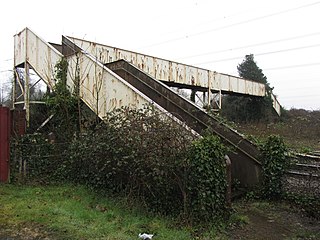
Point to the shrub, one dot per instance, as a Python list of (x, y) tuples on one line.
[(147, 156), (207, 182), (274, 165), (140, 153)]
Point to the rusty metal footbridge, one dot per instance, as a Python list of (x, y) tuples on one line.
[(110, 77)]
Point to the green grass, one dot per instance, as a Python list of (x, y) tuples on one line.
[(69, 212), (73, 212)]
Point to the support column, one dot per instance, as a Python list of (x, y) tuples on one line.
[(229, 181), (209, 93), (26, 83), (27, 93), (220, 100), (193, 95), (14, 89)]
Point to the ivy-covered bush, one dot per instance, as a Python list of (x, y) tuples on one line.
[(147, 156), (140, 153), (207, 183), (274, 165)]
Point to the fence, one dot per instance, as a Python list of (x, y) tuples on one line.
[(5, 124), (35, 156)]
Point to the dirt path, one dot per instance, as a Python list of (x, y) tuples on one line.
[(31, 232), (274, 221)]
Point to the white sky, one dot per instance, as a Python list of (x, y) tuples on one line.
[(283, 35)]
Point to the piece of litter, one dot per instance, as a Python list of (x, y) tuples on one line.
[(145, 236)]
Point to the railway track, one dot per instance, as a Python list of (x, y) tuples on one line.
[(303, 176), (305, 165)]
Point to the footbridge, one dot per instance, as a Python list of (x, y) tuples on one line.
[(210, 83), (110, 77)]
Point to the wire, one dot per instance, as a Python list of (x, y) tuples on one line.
[(261, 54), (7, 60), (3, 71), (293, 66), (205, 22), (299, 96), (232, 25), (251, 45)]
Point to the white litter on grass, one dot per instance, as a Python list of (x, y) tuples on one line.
[(145, 236)]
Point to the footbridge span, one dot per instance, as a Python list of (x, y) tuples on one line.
[(210, 83)]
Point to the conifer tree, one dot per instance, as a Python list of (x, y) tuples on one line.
[(248, 109)]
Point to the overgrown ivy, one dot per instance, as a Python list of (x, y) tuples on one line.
[(207, 183), (274, 166), (63, 105)]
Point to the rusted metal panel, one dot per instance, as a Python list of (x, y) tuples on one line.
[(179, 71), (101, 89), (214, 81), (190, 76), (145, 63), (242, 86), (248, 87), (224, 82), (161, 69), (41, 56), (256, 87), (203, 78), (20, 48), (276, 104), (233, 84), (5, 124), (166, 70)]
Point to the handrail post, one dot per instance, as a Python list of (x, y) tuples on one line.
[(228, 178)]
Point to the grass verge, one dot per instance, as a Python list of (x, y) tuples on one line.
[(69, 212)]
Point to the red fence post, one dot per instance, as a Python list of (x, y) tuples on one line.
[(5, 124)]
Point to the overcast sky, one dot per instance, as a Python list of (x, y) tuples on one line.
[(283, 35)]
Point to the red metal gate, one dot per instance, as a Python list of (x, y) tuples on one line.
[(5, 124)]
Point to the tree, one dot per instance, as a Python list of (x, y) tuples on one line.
[(6, 93), (248, 69), (248, 109)]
